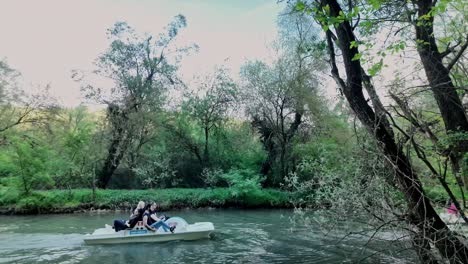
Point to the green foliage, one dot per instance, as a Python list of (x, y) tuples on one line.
[(6, 164), (375, 3), (9, 193), (237, 146), (376, 68), (31, 163), (213, 177), (232, 144), (72, 141), (156, 171), (243, 183), (217, 92), (453, 139), (77, 199)]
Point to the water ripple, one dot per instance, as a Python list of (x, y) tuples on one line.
[(251, 236)]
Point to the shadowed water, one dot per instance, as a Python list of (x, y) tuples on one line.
[(241, 236)]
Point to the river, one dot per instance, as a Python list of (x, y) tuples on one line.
[(241, 236)]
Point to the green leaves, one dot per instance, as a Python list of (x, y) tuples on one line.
[(420, 42), (243, 182), (396, 47), (376, 68), (353, 44), (300, 6), (31, 162), (356, 57), (375, 3)]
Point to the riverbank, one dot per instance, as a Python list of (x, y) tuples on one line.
[(81, 200)]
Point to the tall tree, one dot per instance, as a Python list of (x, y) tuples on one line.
[(440, 81), (421, 214), (209, 107), (141, 69), (278, 96), (275, 97)]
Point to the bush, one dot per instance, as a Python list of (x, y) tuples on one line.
[(31, 165), (8, 195), (243, 183), (213, 177), (35, 202)]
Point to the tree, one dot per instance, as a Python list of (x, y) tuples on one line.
[(31, 160), (141, 69), (17, 107), (210, 109), (71, 135), (281, 95), (274, 97), (428, 226), (438, 75)]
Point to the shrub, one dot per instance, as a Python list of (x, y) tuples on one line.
[(8, 195), (243, 182), (31, 166), (213, 177)]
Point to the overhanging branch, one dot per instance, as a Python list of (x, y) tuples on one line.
[(458, 55)]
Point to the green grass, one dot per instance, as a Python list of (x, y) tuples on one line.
[(438, 194), (78, 199)]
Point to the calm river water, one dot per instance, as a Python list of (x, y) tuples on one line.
[(241, 236)]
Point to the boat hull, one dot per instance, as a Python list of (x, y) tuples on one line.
[(109, 236)]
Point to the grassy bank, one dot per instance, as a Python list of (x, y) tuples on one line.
[(68, 201), (75, 200)]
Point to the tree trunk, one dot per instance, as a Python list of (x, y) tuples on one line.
[(206, 157), (120, 139), (266, 137), (421, 214), (114, 157), (379, 109), (282, 163), (445, 94)]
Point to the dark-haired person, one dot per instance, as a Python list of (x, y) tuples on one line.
[(152, 222)]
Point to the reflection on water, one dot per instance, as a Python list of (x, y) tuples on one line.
[(241, 236)]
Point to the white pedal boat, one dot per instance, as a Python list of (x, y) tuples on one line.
[(140, 234)]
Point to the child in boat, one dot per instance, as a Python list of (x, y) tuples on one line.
[(152, 222)]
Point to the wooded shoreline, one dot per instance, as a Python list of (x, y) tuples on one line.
[(113, 200)]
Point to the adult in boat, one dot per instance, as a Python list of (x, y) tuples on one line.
[(153, 222), (135, 217), (452, 210)]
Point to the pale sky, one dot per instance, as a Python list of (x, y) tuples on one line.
[(46, 39)]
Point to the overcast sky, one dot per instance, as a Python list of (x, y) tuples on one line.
[(45, 40)]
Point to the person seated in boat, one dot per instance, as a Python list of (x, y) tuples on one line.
[(452, 210), (135, 217), (137, 214), (153, 222)]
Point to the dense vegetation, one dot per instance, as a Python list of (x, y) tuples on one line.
[(269, 138), (256, 131), (67, 201)]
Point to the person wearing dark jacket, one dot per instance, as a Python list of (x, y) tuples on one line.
[(152, 222), (135, 217)]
